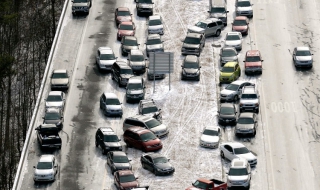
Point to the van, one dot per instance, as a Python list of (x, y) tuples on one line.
[(218, 9)]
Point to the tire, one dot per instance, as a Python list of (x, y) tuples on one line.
[(128, 145), (59, 147), (222, 154), (218, 33), (254, 133), (257, 110), (97, 145), (236, 98), (155, 172), (104, 151)]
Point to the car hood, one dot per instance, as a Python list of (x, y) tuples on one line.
[(122, 165), (156, 27), (232, 42), (239, 28), (124, 18), (218, 15), (164, 165), (126, 76), (130, 47), (304, 58), (155, 46), (196, 29), (54, 104), (107, 62), (227, 92), (60, 81), (126, 32), (209, 139), (248, 101), (190, 70), (249, 156), (159, 128), (44, 172), (138, 63), (225, 74), (244, 9), (114, 107), (232, 58), (130, 184), (253, 64), (238, 178), (135, 91), (244, 126), (112, 144), (185, 45)]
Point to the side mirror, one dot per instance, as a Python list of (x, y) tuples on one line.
[(38, 128), (130, 160), (227, 11), (137, 177), (256, 121), (138, 44), (62, 117), (34, 166), (119, 139), (128, 59), (312, 54), (252, 4), (182, 66), (146, 59), (168, 159), (244, 61), (145, 43), (199, 67), (116, 57), (144, 87), (218, 111), (227, 173), (55, 166), (209, 11), (262, 60)]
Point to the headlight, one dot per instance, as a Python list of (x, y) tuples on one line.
[(59, 123), (107, 147), (231, 76), (73, 8), (241, 104)]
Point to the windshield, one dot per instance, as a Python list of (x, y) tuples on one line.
[(125, 27), (202, 25), (153, 123), (124, 13), (145, 1), (249, 96), (245, 120), (110, 138), (149, 110), (154, 22), (80, 1), (218, 10), (233, 37), (126, 71), (107, 57), (148, 137), (120, 159), (112, 102), (191, 65), (44, 165), (52, 116), (127, 178), (153, 41), (244, 4), (232, 87), (190, 40), (54, 98), (227, 110), (227, 69), (303, 53), (160, 160), (59, 75), (132, 86), (228, 53), (136, 58), (130, 43), (242, 150), (240, 23), (210, 132), (253, 59), (238, 171), (200, 185)]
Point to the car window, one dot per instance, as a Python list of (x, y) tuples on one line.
[(126, 71), (52, 116), (227, 69), (238, 171), (228, 53), (154, 22), (243, 4), (303, 53), (120, 159), (228, 148), (191, 65), (112, 101), (135, 136), (148, 158), (211, 132), (245, 120), (149, 110), (59, 75), (227, 110), (132, 86), (232, 37), (154, 41), (147, 137), (126, 27), (153, 123), (239, 22), (54, 98), (191, 40), (110, 138), (160, 160), (219, 22), (44, 165), (232, 87), (242, 150), (107, 57), (130, 42), (249, 96), (202, 25), (133, 122), (127, 178), (123, 13), (253, 58), (136, 58)]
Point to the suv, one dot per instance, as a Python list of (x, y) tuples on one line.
[(218, 9), (155, 25), (107, 140), (247, 124), (149, 108), (193, 44), (110, 104), (137, 61), (209, 27), (244, 8), (229, 72), (253, 62), (121, 72), (154, 44), (144, 7), (159, 129), (233, 90), (60, 80), (239, 174), (191, 68), (135, 89), (105, 58), (141, 138), (249, 99), (81, 6), (53, 116), (46, 169)]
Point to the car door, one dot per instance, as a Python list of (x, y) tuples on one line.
[(100, 139), (212, 29), (149, 163), (294, 54), (116, 180), (137, 141), (98, 57), (116, 14)]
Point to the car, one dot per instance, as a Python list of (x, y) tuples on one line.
[(249, 99), (253, 62), (107, 140), (246, 124), (210, 137), (155, 76), (154, 44), (118, 160), (59, 79), (234, 39), (135, 89), (149, 108), (125, 179), (233, 91), (208, 27), (147, 122), (155, 25), (244, 8), (46, 169), (48, 136), (218, 9), (190, 68), (193, 44), (105, 58), (241, 24), (137, 61), (81, 6), (128, 43), (144, 7), (53, 116), (55, 99), (228, 54), (239, 174), (157, 164), (121, 72), (227, 114), (302, 57), (141, 138), (229, 72), (122, 14), (126, 29), (110, 104), (232, 150)]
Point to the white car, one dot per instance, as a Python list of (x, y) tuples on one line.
[(46, 168), (155, 25), (55, 99), (232, 92), (234, 39), (233, 150), (210, 137), (302, 57), (244, 8), (154, 44), (239, 174), (105, 58)]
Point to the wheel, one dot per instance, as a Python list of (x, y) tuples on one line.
[(222, 154), (218, 33), (96, 143), (198, 79), (236, 98), (144, 166), (59, 147), (104, 151), (257, 111), (155, 172), (254, 133), (128, 145)]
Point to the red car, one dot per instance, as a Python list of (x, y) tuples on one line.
[(141, 138), (125, 179), (253, 62), (241, 24), (122, 14), (126, 29)]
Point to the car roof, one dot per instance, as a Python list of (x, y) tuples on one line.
[(135, 79), (193, 35), (125, 172), (303, 48), (147, 101), (238, 82), (230, 64), (44, 126), (229, 48), (123, 64), (143, 118), (107, 130), (153, 36), (227, 105), (155, 17), (110, 95), (130, 38), (53, 110), (119, 153), (234, 144), (138, 130), (154, 155), (126, 23), (191, 58), (246, 114), (240, 18), (55, 93), (249, 90), (136, 52), (250, 53), (233, 33), (214, 128), (46, 158), (105, 50), (209, 20), (123, 9), (239, 163), (60, 71)]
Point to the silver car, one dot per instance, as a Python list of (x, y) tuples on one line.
[(244, 8), (46, 168), (154, 44), (60, 79), (55, 99), (302, 57), (105, 58), (208, 27), (228, 54), (137, 61), (155, 25), (234, 39), (233, 90), (110, 104), (249, 99), (239, 174), (53, 116), (210, 137)]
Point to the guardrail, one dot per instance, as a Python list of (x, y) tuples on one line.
[(36, 109)]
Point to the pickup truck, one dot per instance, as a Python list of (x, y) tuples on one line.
[(206, 184), (48, 137)]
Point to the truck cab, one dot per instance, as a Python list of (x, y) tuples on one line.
[(206, 184)]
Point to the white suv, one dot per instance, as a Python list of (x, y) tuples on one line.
[(46, 168), (239, 174), (249, 99)]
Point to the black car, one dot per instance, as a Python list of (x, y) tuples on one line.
[(148, 107), (128, 43), (118, 160), (247, 124), (107, 140), (227, 113), (191, 68), (121, 72), (157, 163)]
